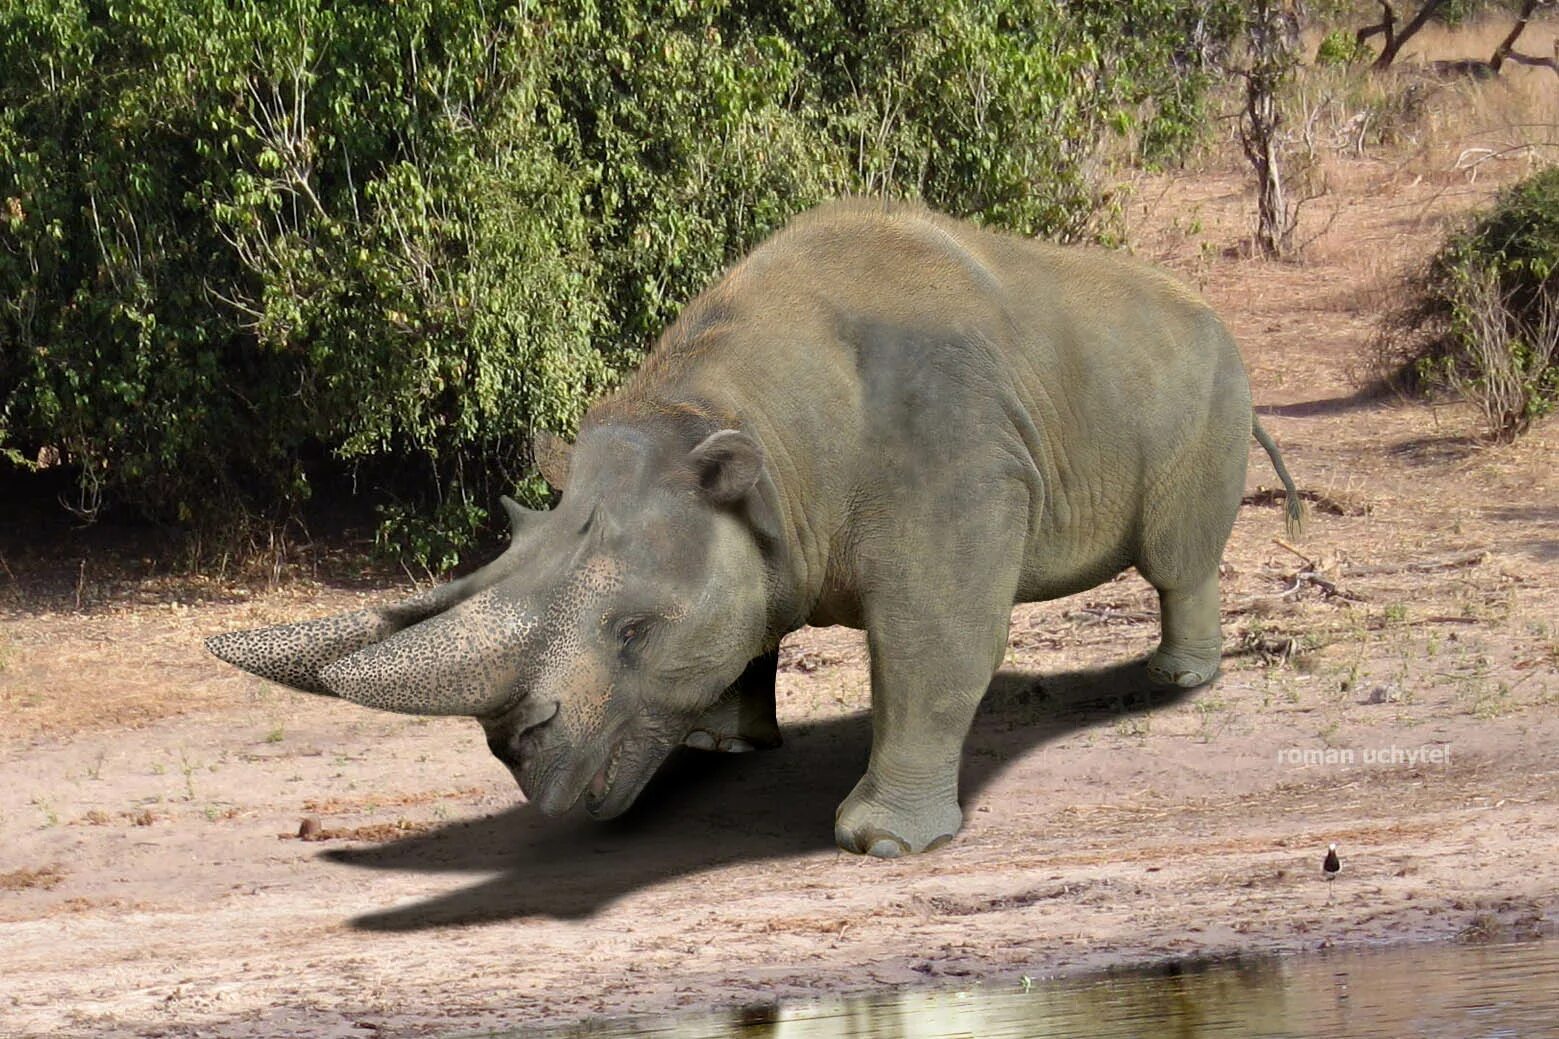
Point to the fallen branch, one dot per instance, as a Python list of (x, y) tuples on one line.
[(1269, 647), (1310, 573), (1089, 615), (807, 661), (1424, 567), (1280, 543), (1321, 502), (1329, 587)]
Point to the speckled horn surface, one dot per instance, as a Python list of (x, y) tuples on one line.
[(294, 654), (466, 661)]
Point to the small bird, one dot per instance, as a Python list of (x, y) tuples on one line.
[(1329, 868)]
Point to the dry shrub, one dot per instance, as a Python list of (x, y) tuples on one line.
[(1481, 319), (1504, 358)]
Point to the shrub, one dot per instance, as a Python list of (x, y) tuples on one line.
[(245, 245), (1488, 310), (1340, 47)]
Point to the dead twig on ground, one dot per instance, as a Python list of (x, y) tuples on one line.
[(1272, 649), (806, 661), (1320, 502), (1280, 543), (1090, 615), (1464, 559), (1313, 573), (1329, 587)]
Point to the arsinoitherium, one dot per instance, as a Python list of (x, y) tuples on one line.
[(882, 418)]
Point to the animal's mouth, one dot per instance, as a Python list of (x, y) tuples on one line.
[(601, 783)]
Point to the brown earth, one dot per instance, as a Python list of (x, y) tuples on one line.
[(153, 880)]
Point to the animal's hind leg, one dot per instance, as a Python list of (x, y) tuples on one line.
[(743, 718), (1192, 643), (1185, 528)]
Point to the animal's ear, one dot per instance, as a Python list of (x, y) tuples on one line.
[(728, 464), (730, 469), (552, 454)]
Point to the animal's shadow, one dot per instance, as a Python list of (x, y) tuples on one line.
[(705, 810)]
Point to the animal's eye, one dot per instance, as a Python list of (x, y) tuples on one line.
[(631, 630)]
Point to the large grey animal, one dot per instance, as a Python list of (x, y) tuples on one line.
[(882, 418)]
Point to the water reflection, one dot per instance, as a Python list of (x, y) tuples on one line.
[(1435, 991)]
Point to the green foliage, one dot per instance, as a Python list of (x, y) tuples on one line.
[(245, 244), (1454, 12), (244, 234), (1149, 66), (1494, 290), (1340, 47)]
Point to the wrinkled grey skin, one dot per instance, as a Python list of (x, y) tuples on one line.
[(881, 418)]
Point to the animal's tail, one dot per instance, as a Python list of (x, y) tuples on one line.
[(1294, 512)]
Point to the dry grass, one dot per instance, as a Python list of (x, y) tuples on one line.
[(1425, 120), (42, 878), (373, 833), (347, 805)]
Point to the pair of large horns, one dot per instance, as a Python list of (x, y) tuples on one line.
[(443, 651)]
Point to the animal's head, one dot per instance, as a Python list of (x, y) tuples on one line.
[(590, 647)]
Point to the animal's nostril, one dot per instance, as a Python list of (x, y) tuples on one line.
[(504, 750), (537, 715), (505, 737)]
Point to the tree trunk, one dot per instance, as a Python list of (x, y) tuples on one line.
[(1508, 44), (1395, 40), (1272, 31)]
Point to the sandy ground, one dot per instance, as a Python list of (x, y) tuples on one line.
[(1390, 685)]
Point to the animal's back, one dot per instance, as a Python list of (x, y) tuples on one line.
[(1081, 372), (882, 347)]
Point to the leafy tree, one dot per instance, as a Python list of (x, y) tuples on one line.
[(248, 243)]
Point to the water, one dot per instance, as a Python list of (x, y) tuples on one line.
[(1508, 991)]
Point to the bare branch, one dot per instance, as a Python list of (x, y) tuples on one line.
[(1509, 42), (1394, 39), (1387, 25), (1530, 61)]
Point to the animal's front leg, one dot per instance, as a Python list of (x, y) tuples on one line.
[(743, 718), (924, 694), (929, 673), (936, 626)]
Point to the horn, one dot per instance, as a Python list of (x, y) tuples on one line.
[(465, 661), (294, 654)]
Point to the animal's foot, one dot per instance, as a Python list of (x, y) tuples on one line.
[(1184, 668), (730, 729), (703, 739), (867, 826)]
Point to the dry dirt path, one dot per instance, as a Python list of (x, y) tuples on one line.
[(152, 883)]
